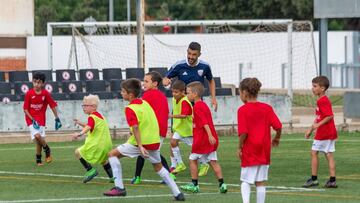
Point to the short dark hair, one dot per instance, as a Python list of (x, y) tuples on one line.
[(39, 76), (197, 87), (178, 85), (155, 77), (251, 86), (195, 46), (323, 81), (132, 86)]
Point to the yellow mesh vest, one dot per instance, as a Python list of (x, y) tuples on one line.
[(183, 126), (148, 124)]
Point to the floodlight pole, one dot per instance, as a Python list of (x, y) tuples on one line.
[(140, 28), (50, 47), (323, 47)]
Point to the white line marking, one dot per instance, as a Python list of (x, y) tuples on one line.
[(154, 181)]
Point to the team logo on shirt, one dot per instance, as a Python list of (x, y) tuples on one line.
[(185, 73), (200, 72), (43, 98)]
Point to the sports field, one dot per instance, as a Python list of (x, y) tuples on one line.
[(61, 181)]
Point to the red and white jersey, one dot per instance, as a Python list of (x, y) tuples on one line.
[(37, 104), (326, 131), (255, 120)]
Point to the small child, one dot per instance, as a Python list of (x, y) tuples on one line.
[(325, 136), (144, 141), (254, 122), (158, 102), (182, 124), (35, 104), (98, 140), (205, 139)]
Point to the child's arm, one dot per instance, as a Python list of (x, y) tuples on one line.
[(242, 138), (55, 112), (28, 114), (85, 129), (136, 132), (78, 122), (212, 140), (315, 125), (276, 140)]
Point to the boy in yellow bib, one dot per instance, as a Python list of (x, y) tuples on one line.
[(98, 140), (144, 140)]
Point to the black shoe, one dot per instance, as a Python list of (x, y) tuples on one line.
[(311, 183), (180, 197), (330, 184)]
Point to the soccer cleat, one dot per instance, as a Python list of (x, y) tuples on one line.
[(136, 180), (48, 159), (191, 188), (180, 197), (311, 183), (223, 188), (115, 191), (179, 168), (90, 175), (330, 184), (203, 169)]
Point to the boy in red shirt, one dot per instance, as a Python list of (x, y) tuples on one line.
[(254, 122), (325, 136), (35, 104), (159, 104), (205, 139)]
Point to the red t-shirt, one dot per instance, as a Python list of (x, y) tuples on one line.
[(159, 104), (91, 121), (132, 120), (327, 131), (186, 108), (202, 116), (255, 120), (36, 104)]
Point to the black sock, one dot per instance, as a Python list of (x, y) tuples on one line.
[(38, 158), (47, 150), (194, 181), (313, 177), (139, 165), (164, 163), (221, 181), (332, 178), (108, 170), (86, 165)]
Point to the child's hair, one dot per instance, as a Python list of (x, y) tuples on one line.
[(323, 81), (132, 86), (196, 87), (93, 99), (251, 86), (39, 76), (155, 77), (195, 46), (178, 85)]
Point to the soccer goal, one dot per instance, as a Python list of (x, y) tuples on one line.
[(280, 53)]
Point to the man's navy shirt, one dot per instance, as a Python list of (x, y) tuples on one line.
[(188, 74)]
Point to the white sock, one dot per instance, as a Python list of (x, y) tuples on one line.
[(177, 154), (245, 192), (260, 194), (165, 175), (117, 171), (173, 162)]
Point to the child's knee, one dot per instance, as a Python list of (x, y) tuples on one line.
[(173, 143), (157, 166), (38, 137)]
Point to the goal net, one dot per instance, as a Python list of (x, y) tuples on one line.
[(235, 50)]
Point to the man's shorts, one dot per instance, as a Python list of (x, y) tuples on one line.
[(34, 131), (205, 157), (254, 174), (132, 151), (325, 146), (186, 140)]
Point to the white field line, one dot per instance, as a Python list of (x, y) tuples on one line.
[(154, 181)]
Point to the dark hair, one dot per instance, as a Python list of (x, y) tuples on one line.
[(178, 85), (323, 81), (195, 46), (196, 87), (132, 86), (251, 86), (155, 77), (39, 76)]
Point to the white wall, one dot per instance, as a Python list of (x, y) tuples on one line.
[(16, 17)]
